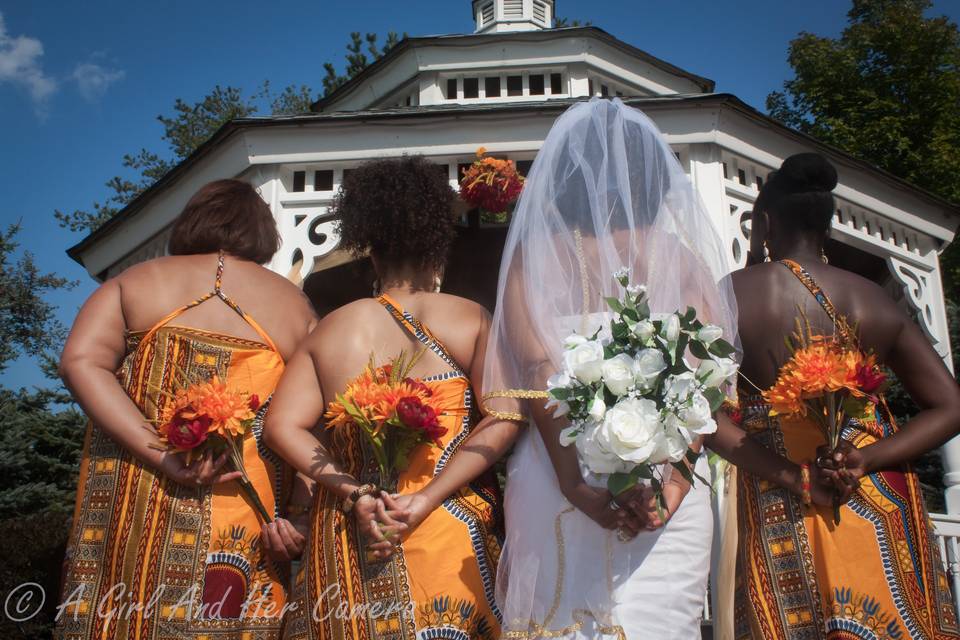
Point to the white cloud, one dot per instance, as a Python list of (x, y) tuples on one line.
[(93, 80), (20, 65)]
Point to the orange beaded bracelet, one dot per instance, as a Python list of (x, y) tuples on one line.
[(805, 484)]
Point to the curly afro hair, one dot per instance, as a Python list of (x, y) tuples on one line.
[(398, 209)]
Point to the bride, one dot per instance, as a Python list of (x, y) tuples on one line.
[(605, 192)]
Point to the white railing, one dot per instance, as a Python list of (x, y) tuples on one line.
[(947, 531)]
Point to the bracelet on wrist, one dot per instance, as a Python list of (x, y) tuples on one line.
[(805, 484), (356, 494)]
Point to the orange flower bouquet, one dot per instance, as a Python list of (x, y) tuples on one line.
[(206, 416), (490, 183), (394, 412), (828, 379)]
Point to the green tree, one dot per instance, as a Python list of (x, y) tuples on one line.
[(887, 90), (357, 60), (40, 439)]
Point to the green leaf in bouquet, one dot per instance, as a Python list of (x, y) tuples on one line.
[(631, 313), (615, 304), (689, 315), (684, 471), (643, 308), (698, 350), (617, 483), (681, 348), (721, 348), (560, 393), (620, 331), (715, 397), (692, 456)]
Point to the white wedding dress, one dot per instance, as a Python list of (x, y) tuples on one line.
[(558, 556)]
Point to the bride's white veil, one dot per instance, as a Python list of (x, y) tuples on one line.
[(605, 192)]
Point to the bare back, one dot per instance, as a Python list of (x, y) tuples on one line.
[(345, 340), (771, 298), (152, 290)]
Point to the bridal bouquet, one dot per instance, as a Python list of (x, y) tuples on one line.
[(828, 379), (394, 412), (206, 416), (633, 400), (490, 183)]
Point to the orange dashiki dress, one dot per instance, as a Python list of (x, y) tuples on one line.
[(439, 583), (151, 559), (877, 575)]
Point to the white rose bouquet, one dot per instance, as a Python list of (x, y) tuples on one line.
[(633, 400)]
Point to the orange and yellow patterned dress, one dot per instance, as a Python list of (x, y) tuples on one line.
[(877, 575), (151, 559), (440, 581)]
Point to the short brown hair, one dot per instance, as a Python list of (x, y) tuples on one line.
[(228, 216)]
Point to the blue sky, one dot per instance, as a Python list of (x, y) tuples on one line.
[(81, 83)]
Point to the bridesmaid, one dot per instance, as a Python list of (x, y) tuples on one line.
[(438, 581), (877, 574), (162, 549)]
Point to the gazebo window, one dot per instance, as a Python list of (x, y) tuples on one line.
[(323, 180), (556, 83), (514, 85), (451, 89), (486, 14), (299, 181), (513, 8), (491, 85), (471, 88), (536, 85), (540, 11)]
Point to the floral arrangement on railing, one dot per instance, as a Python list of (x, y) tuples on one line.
[(207, 416), (491, 184), (394, 412)]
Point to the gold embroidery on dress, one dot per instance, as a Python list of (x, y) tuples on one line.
[(579, 616)]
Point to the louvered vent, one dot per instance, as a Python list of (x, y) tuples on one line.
[(513, 8), (540, 11), (486, 14)]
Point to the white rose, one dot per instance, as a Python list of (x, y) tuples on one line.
[(672, 446), (696, 416), (679, 387), (670, 330), (584, 360), (649, 364), (569, 435), (559, 381), (597, 408), (716, 371), (631, 430), (644, 330), (573, 340), (708, 334), (618, 374), (596, 457)]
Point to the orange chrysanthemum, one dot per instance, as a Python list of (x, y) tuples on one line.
[(229, 412), (491, 183)]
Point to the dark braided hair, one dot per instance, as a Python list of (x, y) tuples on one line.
[(799, 193), (399, 209)]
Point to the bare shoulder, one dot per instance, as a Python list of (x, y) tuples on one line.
[(463, 307), (155, 269)]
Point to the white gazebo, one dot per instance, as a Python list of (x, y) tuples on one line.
[(501, 87)]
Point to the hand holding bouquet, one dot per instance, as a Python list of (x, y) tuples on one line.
[(633, 400), (206, 417), (829, 379), (394, 412)]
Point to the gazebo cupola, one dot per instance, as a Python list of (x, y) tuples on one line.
[(497, 16)]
